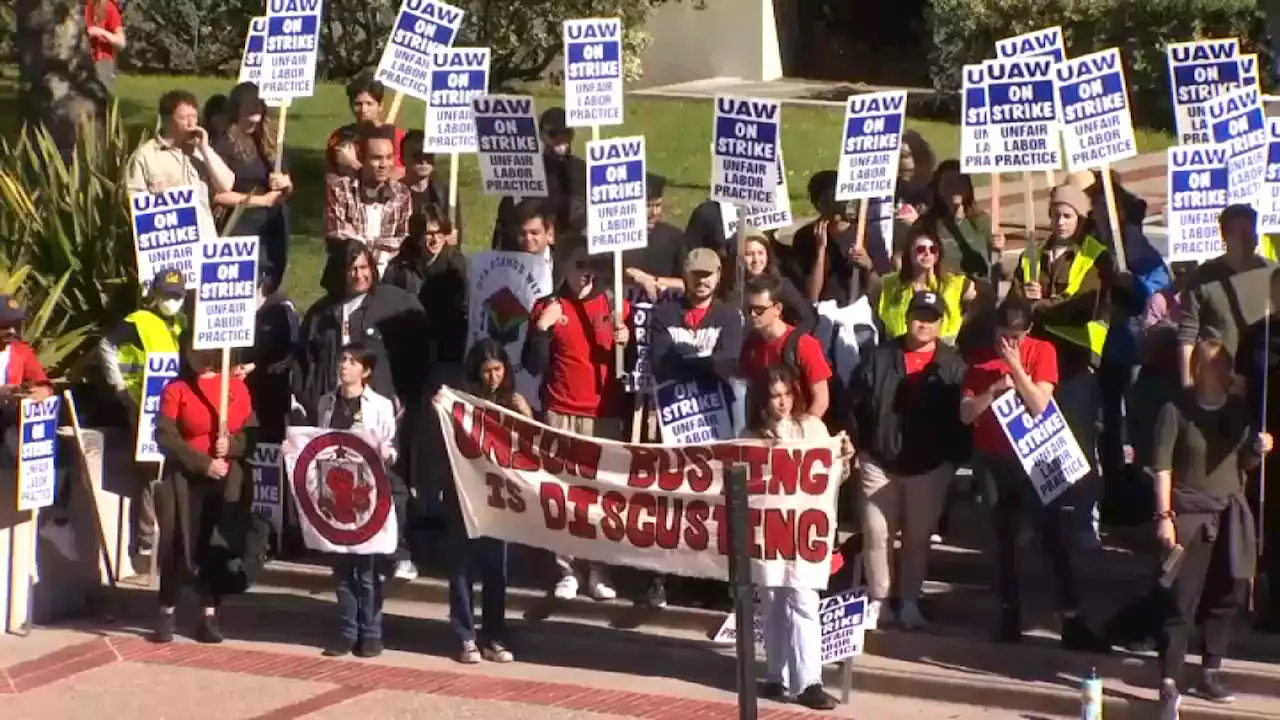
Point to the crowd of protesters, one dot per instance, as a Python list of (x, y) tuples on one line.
[(958, 328)]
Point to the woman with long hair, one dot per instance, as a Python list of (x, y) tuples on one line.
[(923, 268), (760, 258), (970, 244)]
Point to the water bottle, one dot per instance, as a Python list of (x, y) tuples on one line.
[(1091, 696)]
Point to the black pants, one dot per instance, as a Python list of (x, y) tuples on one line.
[(359, 587), (1016, 500), (1205, 595), (175, 572), (1268, 508)]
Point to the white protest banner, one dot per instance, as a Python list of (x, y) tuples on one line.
[(744, 152), (341, 490), (227, 299), (1249, 71), (509, 146), (266, 468), (161, 368), (293, 43), (1197, 192), (1044, 445), (653, 507), (166, 233), (1237, 123), (38, 452), (1093, 103), (255, 43), (693, 411), (1047, 42), (975, 118), (593, 72), (869, 153), (616, 195), (421, 26), (457, 78), (1269, 215), (843, 618), (502, 288), (1021, 106), (1199, 71), (762, 217)]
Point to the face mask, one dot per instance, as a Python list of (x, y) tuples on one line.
[(170, 307)]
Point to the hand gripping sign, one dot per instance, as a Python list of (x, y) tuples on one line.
[(1045, 445)]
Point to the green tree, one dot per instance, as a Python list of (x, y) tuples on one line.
[(57, 85)]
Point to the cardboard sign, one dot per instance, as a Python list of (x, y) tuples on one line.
[(1269, 212), (975, 122), (37, 452), (226, 302), (1093, 104), (502, 288), (1023, 114), (161, 368), (255, 43), (762, 217), (1236, 122), (292, 46), (1197, 192), (870, 152), (266, 466), (616, 195), (1047, 42), (509, 146), (1249, 71), (166, 233), (1044, 445), (593, 72), (693, 411), (457, 78), (421, 26), (1198, 72), (744, 153)]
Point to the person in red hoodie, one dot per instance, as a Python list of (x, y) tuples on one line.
[(23, 374), (571, 345)]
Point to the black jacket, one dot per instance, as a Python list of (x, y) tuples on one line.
[(908, 433), (683, 353), (272, 353)]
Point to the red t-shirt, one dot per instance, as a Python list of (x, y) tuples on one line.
[(111, 22), (333, 141), (23, 365), (916, 361), (194, 406), (580, 378), (758, 354), (1041, 362), (694, 316)]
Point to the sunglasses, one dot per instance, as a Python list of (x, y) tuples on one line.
[(758, 310), (927, 249)]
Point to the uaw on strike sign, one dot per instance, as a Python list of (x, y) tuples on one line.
[(226, 302), (654, 507), (421, 27), (1044, 445)]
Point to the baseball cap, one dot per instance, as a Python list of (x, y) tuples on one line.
[(702, 260), (11, 312), (169, 282), (926, 300), (553, 121)]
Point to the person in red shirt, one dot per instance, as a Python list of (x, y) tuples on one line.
[(571, 345), (1028, 366), (105, 27), (364, 95), (771, 339), (204, 483)]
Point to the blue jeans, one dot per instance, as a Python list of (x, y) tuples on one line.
[(359, 588), (487, 558)]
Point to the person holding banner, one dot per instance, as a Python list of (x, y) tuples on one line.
[(364, 97), (1028, 365), (923, 268), (1205, 441), (180, 155)]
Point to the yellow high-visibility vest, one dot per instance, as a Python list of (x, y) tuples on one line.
[(155, 335), (896, 295), (1093, 335)]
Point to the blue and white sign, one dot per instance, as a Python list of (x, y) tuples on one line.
[(1044, 445), (38, 452), (1197, 192), (1037, 43), (747, 139), (1236, 122), (844, 626), (616, 195), (1269, 213), (1249, 71), (975, 118), (267, 469), (226, 303), (160, 369), (593, 72), (166, 232), (639, 377), (692, 412), (762, 217), (1022, 113), (458, 77), (1093, 103), (870, 147), (292, 45), (509, 146), (421, 27), (255, 41), (1198, 72)]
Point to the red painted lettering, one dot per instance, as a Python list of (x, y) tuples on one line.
[(582, 499), (554, 512)]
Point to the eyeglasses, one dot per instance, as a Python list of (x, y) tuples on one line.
[(927, 249), (758, 310)]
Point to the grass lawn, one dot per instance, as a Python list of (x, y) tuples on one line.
[(677, 134)]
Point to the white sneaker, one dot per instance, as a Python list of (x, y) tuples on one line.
[(603, 591), (909, 616), (567, 588), (63, 537), (656, 597), (405, 570)]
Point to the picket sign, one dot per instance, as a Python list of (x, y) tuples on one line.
[(1046, 42), (420, 26), (455, 78), (870, 147)]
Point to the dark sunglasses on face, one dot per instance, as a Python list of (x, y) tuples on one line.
[(927, 249), (758, 310)]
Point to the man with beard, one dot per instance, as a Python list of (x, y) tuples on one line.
[(365, 95)]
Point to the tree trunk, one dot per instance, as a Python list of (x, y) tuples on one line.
[(58, 87)]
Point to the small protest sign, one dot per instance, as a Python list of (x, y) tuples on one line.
[(616, 195), (1237, 123), (1093, 103), (1269, 214), (1249, 71), (693, 411), (593, 72), (1045, 445), (869, 152), (502, 288), (744, 152), (1199, 71), (255, 42), (266, 466), (843, 619), (226, 302), (166, 232), (762, 217), (421, 26), (457, 77), (1047, 42), (1197, 192), (975, 118), (342, 491), (37, 452), (509, 146), (1023, 114), (292, 46), (160, 369)]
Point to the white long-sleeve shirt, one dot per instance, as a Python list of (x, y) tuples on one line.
[(377, 418)]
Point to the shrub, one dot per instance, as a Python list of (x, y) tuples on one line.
[(965, 32)]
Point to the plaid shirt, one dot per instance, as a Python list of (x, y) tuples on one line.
[(346, 210)]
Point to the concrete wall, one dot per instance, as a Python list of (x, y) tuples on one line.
[(730, 38)]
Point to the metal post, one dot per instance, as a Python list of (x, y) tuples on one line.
[(738, 517)]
